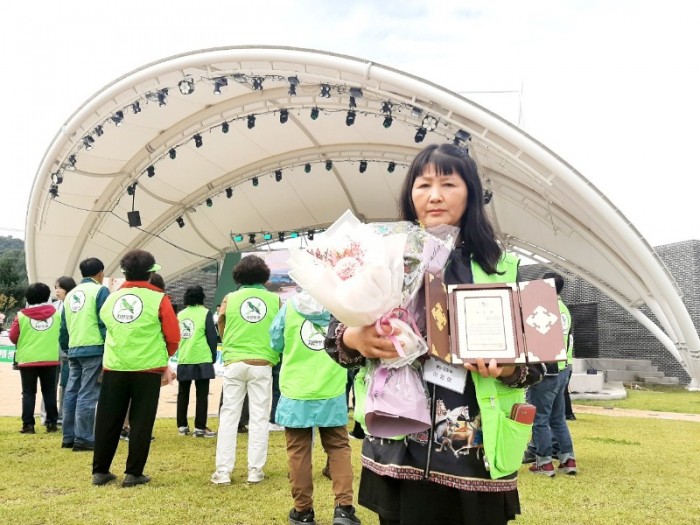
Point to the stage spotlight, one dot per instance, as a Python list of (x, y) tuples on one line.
[(293, 83), (255, 182), (172, 153), (430, 123), (186, 86), (391, 167), (131, 189), (53, 191), (229, 193), (219, 82), (420, 135), (258, 83), (284, 116), (57, 178), (353, 103), (251, 238), (356, 92), (88, 141), (310, 235), (329, 165), (350, 119), (151, 171), (240, 78), (386, 107), (72, 160), (314, 113), (209, 203), (488, 195), (198, 140), (307, 167), (136, 107), (251, 121), (325, 91), (267, 236), (180, 222), (117, 118), (237, 238), (224, 127), (278, 175), (99, 130), (280, 236), (162, 97), (388, 120), (363, 166)]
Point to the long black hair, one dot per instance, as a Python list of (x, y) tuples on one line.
[(477, 233)]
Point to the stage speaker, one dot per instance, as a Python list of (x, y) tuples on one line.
[(134, 219)]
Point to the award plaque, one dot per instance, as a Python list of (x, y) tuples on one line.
[(513, 323)]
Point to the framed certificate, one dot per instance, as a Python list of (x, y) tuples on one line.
[(484, 322)]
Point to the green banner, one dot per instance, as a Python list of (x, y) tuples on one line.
[(7, 354)]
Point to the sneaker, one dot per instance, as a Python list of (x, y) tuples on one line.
[(80, 447), (274, 427), (528, 457), (66, 445), (255, 475), (345, 515), (183, 431), (124, 434), (100, 479), (242, 429), (545, 470), (27, 429), (131, 481), (221, 477), (52, 427), (568, 467), (205, 432), (303, 517)]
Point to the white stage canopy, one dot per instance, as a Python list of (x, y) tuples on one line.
[(220, 144)]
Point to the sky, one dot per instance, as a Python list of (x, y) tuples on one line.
[(613, 88)]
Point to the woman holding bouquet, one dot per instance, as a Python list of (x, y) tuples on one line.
[(441, 476)]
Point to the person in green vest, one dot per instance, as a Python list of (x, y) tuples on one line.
[(245, 318), (142, 332), (195, 361), (34, 332), (82, 336), (418, 479), (313, 394), (548, 397)]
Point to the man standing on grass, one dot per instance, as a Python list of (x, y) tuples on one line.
[(83, 336), (548, 397)]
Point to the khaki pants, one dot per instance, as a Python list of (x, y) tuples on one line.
[(335, 443)]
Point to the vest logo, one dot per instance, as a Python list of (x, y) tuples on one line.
[(77, 301), (186, 328), (41, 325), (313, 335), (565, 322), (127, 309), (253, 310)]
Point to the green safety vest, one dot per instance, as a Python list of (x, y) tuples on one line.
[(134, 333), (308, 372), (249, 314), (80, 308), (38, 340), (194, 348), (568, 340)]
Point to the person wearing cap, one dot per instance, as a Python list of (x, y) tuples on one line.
[(142, 332), (82, 336)]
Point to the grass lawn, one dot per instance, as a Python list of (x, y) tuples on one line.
[(657, 397), (631, 471)]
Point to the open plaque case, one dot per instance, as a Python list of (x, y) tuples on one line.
[(509, 322)]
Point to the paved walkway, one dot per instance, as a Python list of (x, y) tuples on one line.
[(11, 401)]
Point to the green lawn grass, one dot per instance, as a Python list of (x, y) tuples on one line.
[(657, 398), (631, 471)]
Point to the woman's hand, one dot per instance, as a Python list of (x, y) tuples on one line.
[(492, 370), (369, 343)]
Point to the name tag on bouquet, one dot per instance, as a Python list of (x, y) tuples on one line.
[(452, 377)]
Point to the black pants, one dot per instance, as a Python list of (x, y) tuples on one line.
[(142, 390), (47, 376), (183, 400)]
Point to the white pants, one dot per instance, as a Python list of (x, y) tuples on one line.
[(239, 379)]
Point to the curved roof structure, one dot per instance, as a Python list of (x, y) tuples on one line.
[(217, 148)]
